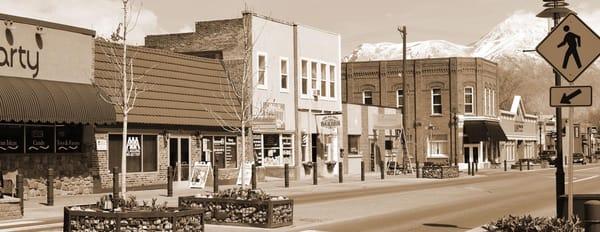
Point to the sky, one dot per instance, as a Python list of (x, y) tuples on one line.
[(358, 21)]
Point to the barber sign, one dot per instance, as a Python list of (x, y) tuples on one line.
[(330, 122)]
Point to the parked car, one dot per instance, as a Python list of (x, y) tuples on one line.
[(548, 155), (579, 158)]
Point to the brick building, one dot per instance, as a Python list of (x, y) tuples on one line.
[(451, 117), (295, 73)]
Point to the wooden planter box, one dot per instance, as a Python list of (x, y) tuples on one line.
[(263, 214), (440, 172), (174, 219)]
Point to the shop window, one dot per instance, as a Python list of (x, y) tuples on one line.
[(39, 139), (262, 70), (323, 80), (437, 148), (353, 143), (332, 81), (141, 152), (11, 139), (469, 100), (69, 139), (221, 149), (283, 69), (436, 101), (273, 149), (368, 97), (304, 77), (400, 99)]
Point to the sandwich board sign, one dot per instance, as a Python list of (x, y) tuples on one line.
[(570, 48), (570, 96)]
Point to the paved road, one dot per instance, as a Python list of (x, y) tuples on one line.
[(456, 205), (448, 205)]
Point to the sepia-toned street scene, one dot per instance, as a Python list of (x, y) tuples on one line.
[(299, 115)]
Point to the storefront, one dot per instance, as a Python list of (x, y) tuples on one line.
[(175, 122), (522, 131), (481, 142), (49, 106)]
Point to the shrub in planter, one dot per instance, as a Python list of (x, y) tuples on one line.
[(533, 224), (131, 216), (245, 207), (330, 165), (307, 167)]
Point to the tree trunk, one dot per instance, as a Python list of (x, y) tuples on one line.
[(243, 154), (124, 158)]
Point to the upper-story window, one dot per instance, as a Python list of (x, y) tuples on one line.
[(368, 97), (486, 107), (323, 80), (436, 101), (304, 77), (469, 100), (262, 70), (493, 102), (313, 77), (331, 81), (400, 99), (283, 70)]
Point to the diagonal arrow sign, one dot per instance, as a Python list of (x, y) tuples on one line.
[(566, 99)]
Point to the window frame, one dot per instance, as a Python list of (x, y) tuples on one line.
[(400, 104), (364, 99), (304, 77), (264, 85), (472, 103), (433, 105), (332, 81), (314, 77), (142, 152), (287, 74)]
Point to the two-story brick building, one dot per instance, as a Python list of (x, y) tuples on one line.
[(451, 112), (295, 72)]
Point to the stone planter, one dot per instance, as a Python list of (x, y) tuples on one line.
[(90, 218), (253, 213), (10, 208), (440, 172), (330, 165)]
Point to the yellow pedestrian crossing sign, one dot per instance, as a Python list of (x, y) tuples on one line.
[(570, 48)]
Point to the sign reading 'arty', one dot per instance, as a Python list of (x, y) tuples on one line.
[(17, 56)]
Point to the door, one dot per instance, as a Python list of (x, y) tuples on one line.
[(179, 158), (471, 153)]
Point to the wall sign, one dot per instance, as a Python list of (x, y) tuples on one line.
[(29, 51), (330, 122), (133, 145), (101, 145), (68, 139)]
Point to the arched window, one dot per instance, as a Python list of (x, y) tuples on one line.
[(368, 97), (400, 99)]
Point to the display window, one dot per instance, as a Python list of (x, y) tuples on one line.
[(273, 149)]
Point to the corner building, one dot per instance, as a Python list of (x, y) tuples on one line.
[(450, 107)]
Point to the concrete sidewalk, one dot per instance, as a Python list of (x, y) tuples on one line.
[(36, 208)]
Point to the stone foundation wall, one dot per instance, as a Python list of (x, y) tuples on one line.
[(440, 172)]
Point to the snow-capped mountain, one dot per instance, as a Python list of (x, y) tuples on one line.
[(522, 31), (504, 44)]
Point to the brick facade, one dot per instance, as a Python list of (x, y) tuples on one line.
[(451, 75)]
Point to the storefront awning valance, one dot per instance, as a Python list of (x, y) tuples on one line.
[(388, 122), (480, 130), (41, 101)]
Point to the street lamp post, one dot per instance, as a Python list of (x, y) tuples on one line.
[(556, 9)]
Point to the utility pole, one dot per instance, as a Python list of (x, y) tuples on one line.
[(404, 90), (556, 9)]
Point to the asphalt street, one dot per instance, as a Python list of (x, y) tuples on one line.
[(446, 205)]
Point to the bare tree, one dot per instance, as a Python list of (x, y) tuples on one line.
[(237, 95), (509, 86), (123, 86)]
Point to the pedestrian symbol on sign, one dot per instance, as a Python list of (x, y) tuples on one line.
[(574, 41)]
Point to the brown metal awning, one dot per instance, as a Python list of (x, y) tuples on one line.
[(481, 130), (42, 101)]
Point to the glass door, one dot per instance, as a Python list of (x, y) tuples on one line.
[(179, 158)]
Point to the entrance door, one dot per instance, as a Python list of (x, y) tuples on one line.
[(179, 158), (471, 153), (314, 142)]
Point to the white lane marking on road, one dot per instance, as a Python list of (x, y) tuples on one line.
[(28, 228), (13, 223), (575, 170), (584, 179)]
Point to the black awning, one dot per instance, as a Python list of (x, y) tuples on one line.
[(480, 130), (42, 101)]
